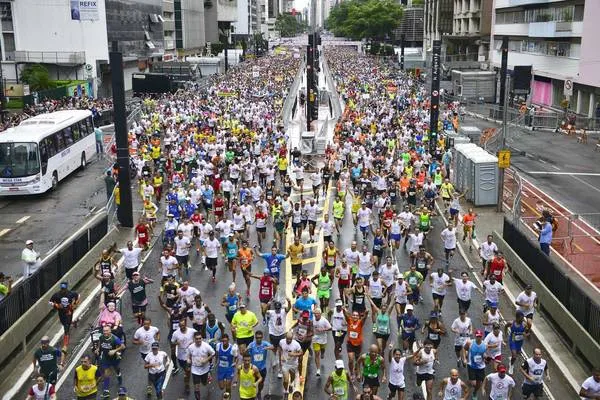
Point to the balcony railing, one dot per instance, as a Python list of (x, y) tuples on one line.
[(51, 57)]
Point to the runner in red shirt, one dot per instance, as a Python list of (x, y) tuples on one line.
[(497, 267), (218, 207), (266, 290), (142, 231)]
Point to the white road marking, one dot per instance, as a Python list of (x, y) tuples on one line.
[(585, 183), (4, 231), (562, 173), (21, 220), (555, 167)]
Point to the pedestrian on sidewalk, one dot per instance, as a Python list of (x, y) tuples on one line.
[(545, 235), (31, 259)]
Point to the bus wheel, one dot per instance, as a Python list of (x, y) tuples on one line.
[(83, 161), (54, 180)]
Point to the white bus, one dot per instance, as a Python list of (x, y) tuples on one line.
[(42, 150)]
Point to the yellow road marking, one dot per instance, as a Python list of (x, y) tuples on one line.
[(289, 286)]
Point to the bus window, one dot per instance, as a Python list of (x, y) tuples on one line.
[(51, 145), (44, 155), (60, 140), (68, 136), (90, 125), (76, 132)]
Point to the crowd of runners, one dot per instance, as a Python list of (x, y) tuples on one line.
[(220, 181)]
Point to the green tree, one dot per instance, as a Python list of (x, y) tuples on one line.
[(365, 19), (36, 76), (288, 25)]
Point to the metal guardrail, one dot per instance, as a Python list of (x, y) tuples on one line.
[(51, 57), (291, 97)]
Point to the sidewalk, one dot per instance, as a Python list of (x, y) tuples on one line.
[(562, 360)]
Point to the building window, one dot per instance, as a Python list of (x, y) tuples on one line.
[(150, 45)]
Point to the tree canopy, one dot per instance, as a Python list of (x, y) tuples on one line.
[(288, 25), (365, 19), (36, 76)]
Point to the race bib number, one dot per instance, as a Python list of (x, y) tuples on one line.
[(339, 333), (359, 300), (259, 357), (265, 290), (353, 335), (434, 336), (518, 338), (478, 359), (233, 308), (223, 364), (142, 235), (421, 264), (330, 260), (339, 391), (412, 281)]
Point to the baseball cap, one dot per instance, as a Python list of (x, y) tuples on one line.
[(339, 302), (433, 314), (501, 368), (155, 345), (64, 285), (305, 313), (375, 272), (135, 273), (267, 271), (479, 333), (529, 286), (122, 391), (29, 242), (519, 312), (339, 364), (107, 274), (242, 305), (45, 339), (493, 304), (409, 307)]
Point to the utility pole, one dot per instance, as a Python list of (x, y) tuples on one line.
[(435, 95), (504, 85), (125, 210)]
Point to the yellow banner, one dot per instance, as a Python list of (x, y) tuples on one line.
[(227, 94)]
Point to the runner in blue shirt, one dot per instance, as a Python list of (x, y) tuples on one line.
[(516, 331), (258, 350), (273, 261), (227, 359)]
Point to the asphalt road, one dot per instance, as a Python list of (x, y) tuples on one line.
[(557, 164), (135, 375), (49, 218)]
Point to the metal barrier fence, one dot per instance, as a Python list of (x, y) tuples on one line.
[(583, 308), (53, 268), (291, 97)]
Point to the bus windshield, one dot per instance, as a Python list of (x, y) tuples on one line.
[(19, 160)]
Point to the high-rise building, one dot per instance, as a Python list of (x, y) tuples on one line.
[(471, 29), (72, 39), (438, 20), (190, 35), (411, 26), (168, 20), (559, 40)]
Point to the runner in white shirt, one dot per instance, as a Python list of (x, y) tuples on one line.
[(464, 290), (453, 388), (182, 338), (590, 388), (321, 328), (492, 290), (351, 256), (501, 385), (182, 251), (448, 235), (364, 220), (494, 341), (462, 328), (486, 252), (145, 335), (156, 363), (187, 294), (187, 228), (289, 353), (365, 263), (526, 302), (211, 252), (439, 287), (199, 355), (131, 258), (396, 381), (328, 227), (168, 265), (389, 272)]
